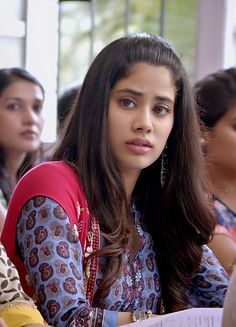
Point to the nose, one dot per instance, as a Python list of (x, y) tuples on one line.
[(143, 121), (29, 116)]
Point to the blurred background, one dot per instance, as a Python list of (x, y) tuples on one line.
[(57, 40)]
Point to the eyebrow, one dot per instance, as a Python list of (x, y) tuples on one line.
[(21, 99), (138, 93), (13, 98)]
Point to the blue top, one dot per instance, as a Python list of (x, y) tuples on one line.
[(52, 254), (224, 215)]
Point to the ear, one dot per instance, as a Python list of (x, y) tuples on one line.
[(202, 141), (205, 134)]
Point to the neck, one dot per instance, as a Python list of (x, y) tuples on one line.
[(130, 179), (224, 185), (223, 180), (13, 161)]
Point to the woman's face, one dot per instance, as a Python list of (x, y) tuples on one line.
[(21, 120), (221, 143), (141, 116)]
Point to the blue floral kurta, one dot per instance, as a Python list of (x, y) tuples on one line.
[(52, 253)]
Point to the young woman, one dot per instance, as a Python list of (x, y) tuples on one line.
[(216, 96), (114, 229), (21, 123)]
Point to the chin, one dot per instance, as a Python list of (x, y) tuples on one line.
[(31, 148)]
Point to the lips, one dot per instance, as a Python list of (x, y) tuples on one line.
[(29, 133), (140, 142), (139, 146)]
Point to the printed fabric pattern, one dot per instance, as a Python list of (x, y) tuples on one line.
[(226, 219), (53, 256), (16, 308), (9, 280)]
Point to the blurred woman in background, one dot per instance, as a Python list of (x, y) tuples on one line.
[(216, 96), (21, 123)]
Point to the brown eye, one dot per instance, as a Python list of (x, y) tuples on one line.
[(161, 110), (13, 106), (128, 103), (37, 107)]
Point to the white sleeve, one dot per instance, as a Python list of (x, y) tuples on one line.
[(229, 312)]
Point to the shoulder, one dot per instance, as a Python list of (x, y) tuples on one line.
[(48, 178), (49, 170), (55, 180), (222, 230)]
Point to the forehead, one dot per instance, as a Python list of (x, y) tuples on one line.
[(148, 78), (231, 113), (142, 66), (23, 89), (147, 68)]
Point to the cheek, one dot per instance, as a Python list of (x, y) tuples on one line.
[(7, 125), (40, 122), (112, 125), (167, 127), (8, 138), (112, 133)]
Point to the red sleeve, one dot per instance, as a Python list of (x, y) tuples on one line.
[(55, 180)]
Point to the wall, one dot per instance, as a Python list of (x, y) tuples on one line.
[(29, 39)]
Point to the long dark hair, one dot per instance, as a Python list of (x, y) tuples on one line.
[(177, 215), (215, 95), (7, 77)]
